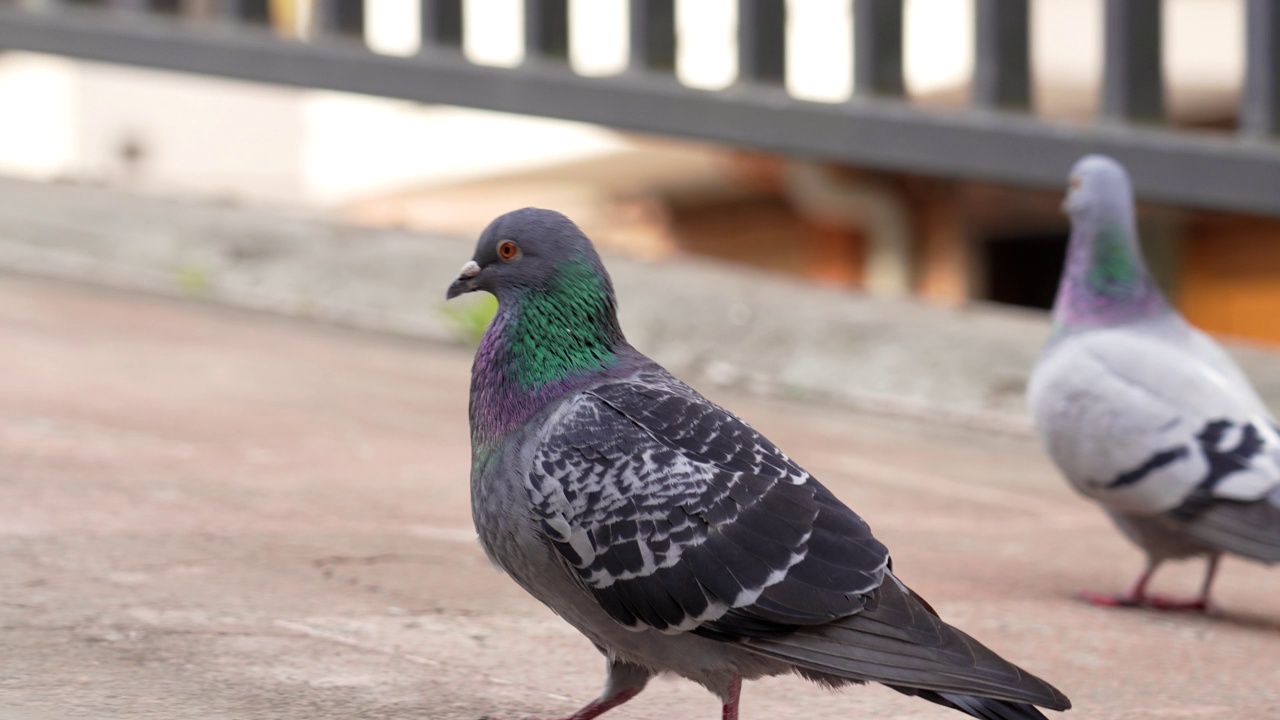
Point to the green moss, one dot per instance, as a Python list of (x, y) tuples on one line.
[(469, 316), (192, 278)]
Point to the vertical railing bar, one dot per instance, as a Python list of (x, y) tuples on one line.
[(762, 37), (653, 35), (441, 24), (1133, 82), (231, 10), (546, 30), (1260, 109), (343, 18), (1002, 65), (163, 7), (877, 48), (201, 10), (325, 21), (245, 11)]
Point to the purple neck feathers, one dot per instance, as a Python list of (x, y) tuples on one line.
[(1105, 281), (502, 398)]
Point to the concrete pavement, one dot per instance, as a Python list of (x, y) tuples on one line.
[(211, 514)]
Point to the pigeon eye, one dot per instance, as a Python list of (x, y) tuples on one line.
[(1074, 182), (508, 250)]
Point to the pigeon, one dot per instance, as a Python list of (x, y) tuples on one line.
[(666, 530), (1145, 414)]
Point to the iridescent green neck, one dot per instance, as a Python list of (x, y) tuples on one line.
[(570, 328), (1105, 281), (1113, 264), (543, 343)]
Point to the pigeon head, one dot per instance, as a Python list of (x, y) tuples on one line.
[(1099, 187), (528, 251), (1104, 280), (556, 326)]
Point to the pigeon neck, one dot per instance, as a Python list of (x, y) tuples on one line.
[(1105, 281), (542, 344)]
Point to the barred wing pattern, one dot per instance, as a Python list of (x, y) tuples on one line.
[(678, 516), (1145, 428)]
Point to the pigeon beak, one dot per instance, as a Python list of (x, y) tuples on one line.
[(466, 281), (1069, 201)]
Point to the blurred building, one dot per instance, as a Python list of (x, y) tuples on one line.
[(448, 169)]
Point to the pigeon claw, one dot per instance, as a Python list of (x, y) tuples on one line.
[(596, 708), (1158, 602), (1109, 599)]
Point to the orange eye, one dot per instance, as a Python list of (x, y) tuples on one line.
[(1075, 182), (507, 250)]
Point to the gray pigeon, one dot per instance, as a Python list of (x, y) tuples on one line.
[(666, 530), (1145, 414)]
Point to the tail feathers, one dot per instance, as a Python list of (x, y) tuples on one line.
[(896, 641), (1250, 529), (984, 708)]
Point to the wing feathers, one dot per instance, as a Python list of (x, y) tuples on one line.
[(1251, 529), (684, 588), (651, 603), (898, 642), (984, 708), (674, 512)]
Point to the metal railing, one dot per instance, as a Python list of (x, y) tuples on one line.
[(994, 138)]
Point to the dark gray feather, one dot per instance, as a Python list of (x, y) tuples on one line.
[(898, 641), (673, 512), (1249, 529)]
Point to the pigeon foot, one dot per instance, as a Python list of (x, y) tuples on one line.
[(1109, 599), (594, 709), (1158, 602), (1154, 602)]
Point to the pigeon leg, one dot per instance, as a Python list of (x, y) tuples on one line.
[(1136, 596), (598, 707), (1200, 602), (730, 709), (625, 682)]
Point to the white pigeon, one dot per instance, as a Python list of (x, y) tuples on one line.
[(1145, 414)]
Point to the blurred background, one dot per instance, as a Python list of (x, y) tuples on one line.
[(839, 218), (922, 220)]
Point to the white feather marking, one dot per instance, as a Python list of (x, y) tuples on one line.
[(602, 579), (715, 610), (560, 526), (1246, 485), (1230, 437), (650, 565), (745, 596), (778, 576), (581, 545), (691, 622)]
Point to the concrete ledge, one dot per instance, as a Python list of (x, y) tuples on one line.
[(706, 321)]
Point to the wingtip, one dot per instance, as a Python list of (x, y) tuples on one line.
[(991, 709)]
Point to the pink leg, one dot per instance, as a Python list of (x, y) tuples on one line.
[(599, 706), (1199, 603), (730, 709), (1137, 595)]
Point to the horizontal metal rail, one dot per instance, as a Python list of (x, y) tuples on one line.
[(1198, 169)]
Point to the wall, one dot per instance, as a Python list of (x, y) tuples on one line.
[(1230, 276)]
